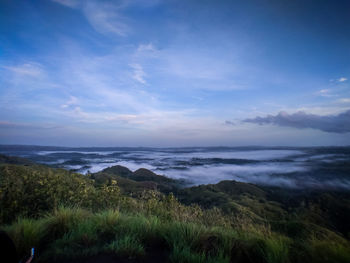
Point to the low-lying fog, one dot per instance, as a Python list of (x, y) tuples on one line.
[(286, 167)]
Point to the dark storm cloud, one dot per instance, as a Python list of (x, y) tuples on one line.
[(332, 123)]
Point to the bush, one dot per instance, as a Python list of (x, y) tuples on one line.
[(31, 191)]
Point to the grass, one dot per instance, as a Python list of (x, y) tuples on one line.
[(127, 246), (330, 252), (184, 254), (275, 249), (227, 222), (105, 223), (63, 219), (70, 233), (180, 234), (26, 233)]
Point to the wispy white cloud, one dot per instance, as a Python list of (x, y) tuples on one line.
[(142, 3), (69, 3), (194, 65), (138, 73), (149, 47), (121, 117), (205, 67), (326, 93), (343, 100), (31, 69), (339, 80), (71, 102), (106, 18), (153, 120)]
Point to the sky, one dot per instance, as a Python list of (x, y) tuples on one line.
[(173, 73)]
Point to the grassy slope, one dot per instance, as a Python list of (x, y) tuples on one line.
[(136, 182), (252, 224), (14, 160), (281, 207)]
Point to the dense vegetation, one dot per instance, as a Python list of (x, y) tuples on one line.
[(143, 217)]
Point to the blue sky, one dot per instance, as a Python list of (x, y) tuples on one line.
[(174, 73)]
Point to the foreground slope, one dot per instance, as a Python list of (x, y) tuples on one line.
[(226, 222)]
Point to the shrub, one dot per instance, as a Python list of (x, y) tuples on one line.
[(34, 190)]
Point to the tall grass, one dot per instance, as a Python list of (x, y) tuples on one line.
[(127, 246), (179, 234), (26, 233), (330, 252), (106, 222), (186, 255), (275, 249), (70, 233), (62, 220)]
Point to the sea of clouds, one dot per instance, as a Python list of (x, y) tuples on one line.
[(294, 168)]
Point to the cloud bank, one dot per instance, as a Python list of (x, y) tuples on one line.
[(332, 123)]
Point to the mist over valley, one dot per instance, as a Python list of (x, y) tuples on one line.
[(322, 167)]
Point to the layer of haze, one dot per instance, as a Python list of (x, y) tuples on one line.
[(322, 167), (174, 72)]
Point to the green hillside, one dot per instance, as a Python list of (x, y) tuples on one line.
[(118, 215)]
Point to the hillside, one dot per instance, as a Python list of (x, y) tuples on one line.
[(118, 215), (14, 160), (135, 182)]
